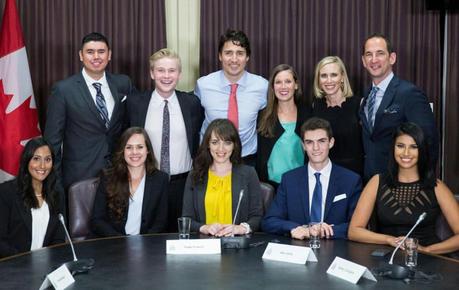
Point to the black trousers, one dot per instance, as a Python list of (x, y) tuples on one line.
[(175, 200)]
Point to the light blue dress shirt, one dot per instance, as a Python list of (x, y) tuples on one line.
[(214, 90)]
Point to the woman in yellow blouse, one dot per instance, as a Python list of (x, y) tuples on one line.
[(216, 182)]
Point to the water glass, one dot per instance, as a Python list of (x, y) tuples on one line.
[(184, 224), (314, 235), (411, 252)]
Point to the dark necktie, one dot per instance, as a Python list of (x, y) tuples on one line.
[(233, 115), (316, 205), (100, 104), (165, 162), (371, 106)]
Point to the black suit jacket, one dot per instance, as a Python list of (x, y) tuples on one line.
[(16, 223), (193, 114), (250, 211), (265, 144), (154, 209), (73, 121), (402, 102)]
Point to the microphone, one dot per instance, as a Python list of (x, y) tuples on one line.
[(420, 219), (397, 271), (76, 266), (240, 242)]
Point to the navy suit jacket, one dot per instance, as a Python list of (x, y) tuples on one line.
[(16, 222), (290, 207), (193, 114), (154, 209), (73, 121), (402, 102)]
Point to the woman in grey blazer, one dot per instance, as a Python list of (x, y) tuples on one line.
[(217, 182)]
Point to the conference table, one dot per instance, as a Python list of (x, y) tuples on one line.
[(140, 262)]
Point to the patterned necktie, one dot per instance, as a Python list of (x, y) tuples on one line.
[(316, 205), (371, 106), (165, 162), (100, 104), (232, 107)]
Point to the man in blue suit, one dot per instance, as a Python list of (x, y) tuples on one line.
[(390, 102), (319, 191)]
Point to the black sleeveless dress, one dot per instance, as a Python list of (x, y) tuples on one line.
[(397, 210)]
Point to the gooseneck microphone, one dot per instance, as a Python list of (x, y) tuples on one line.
[(76, 266), (241, 195), (420, 219), (240, 242), (396, 271)]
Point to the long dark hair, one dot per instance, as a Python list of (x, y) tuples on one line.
[(117, 175), (24, 179), (425, 170), (226, 131), (268, 117)]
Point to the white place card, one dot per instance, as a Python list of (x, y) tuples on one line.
[(193, 247), (59, 278), (289, 254), (349, 271)]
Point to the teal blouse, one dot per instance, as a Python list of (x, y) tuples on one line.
[(287, 153)]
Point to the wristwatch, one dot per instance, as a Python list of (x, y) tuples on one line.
[(248, 230)]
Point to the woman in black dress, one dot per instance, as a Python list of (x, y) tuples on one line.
[(334, 102)]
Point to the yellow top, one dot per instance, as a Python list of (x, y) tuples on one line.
[(218, 199)]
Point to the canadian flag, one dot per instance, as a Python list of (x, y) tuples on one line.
[(18, 111)]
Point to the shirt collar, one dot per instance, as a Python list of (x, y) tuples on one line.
[(158, 99), (89, 80), (382, 86), (326, 171), (242, 82)]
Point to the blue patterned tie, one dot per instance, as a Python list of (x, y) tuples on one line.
[(165, 162), (371, 106), (100, 104), (316, 205)]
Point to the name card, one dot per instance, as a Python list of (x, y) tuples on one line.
[(289, 254), (59, 278), (193, 247), (349, 271)]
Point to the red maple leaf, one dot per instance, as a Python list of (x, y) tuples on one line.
[(16, 126)]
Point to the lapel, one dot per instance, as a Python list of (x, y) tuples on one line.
[(387, 99), (51, 226), (363, 116), (25, 214), (199, 201), (143, 104), (86, 95), (146, 202), (116, 98), (332, 190), (186, 113), (303, 186)]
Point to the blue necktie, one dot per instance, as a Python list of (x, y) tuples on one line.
[(316, 205), (371, 106), (100, 104), (165, 162)]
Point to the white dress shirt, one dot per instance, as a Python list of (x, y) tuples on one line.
[(179, 153), (324, 180), (109, 101), (134, 218), (40, 220)]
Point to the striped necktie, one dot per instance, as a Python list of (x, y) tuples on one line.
[(100, 104), (371, 106)]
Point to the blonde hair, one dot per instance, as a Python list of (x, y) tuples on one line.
[(345, 87), (163, 53)]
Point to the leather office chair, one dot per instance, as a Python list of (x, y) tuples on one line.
[(81, 201), (267, 195), (443, 231)]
